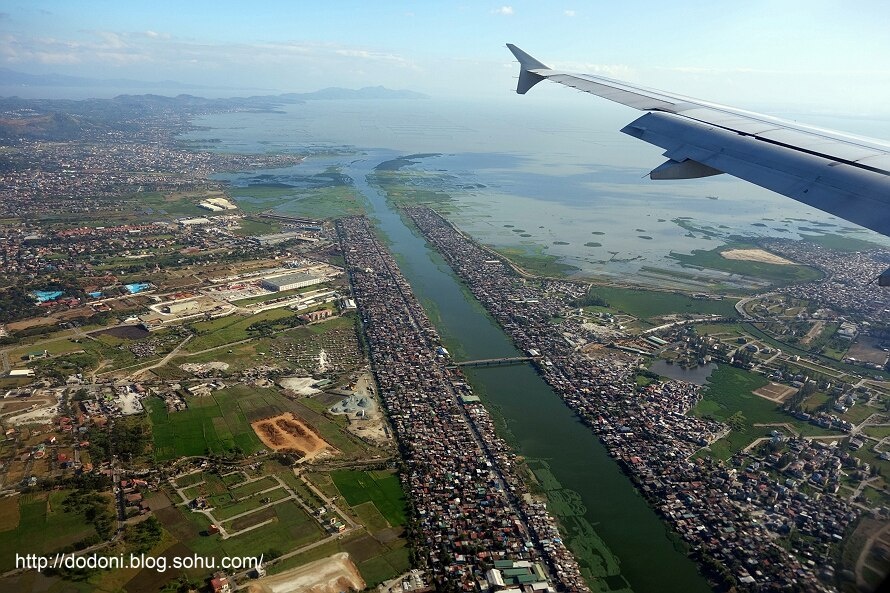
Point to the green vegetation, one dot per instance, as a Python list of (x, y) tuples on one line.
[(841, 242), (729, 399), (233, 328), (251, 227), (217, 424), (646, 304), (597, 562), (44, 526), (405, 187), (776, 274), (172, 204), (264, 191), (533, 260), (128, 438), (380, 487), (16, 303), (329, 194), (290, 527)]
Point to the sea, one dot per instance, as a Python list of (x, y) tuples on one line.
[(555, 178)]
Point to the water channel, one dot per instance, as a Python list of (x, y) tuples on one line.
[(586, 489)]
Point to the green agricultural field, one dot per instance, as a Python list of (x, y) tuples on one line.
[(216, 424), (250, 227), (646, 304), (176, 205), (251, 488), (729, 398), (43, 527), (330, 195), (224, 511), (778, 275), (878, 432), (380, 487), (327, 202), (291, 527), (233, 328)]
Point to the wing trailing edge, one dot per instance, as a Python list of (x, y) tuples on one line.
[(844, 175)]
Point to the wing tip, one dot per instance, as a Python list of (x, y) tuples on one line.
[(527, 79)]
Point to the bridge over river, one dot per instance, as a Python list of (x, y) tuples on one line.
[(494, 362)]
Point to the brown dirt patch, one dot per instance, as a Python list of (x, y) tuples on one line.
[(149, 579), (756, 255), (30, 322), (387, 535), (775, 392), (813, 333), (158, 501), (289, 434), (176, 523), (16, 406), (363, 548), (9, 513), (329, 575), (252, 519)]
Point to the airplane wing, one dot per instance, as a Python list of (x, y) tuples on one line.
[(844, 175)]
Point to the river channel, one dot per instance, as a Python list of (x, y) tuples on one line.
[(603, 515)]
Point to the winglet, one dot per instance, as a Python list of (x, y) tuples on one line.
[(527, 79)]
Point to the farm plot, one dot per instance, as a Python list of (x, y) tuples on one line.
[(217, 424), (382, 488)]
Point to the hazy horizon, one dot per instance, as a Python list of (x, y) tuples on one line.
[(802, 56)]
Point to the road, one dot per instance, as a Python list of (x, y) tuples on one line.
[(166, 359), (865, 554)]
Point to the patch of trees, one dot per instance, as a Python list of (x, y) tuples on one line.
[(127, 438), (589, 300), (15, 304), (145, 535), (269, 327), (94, 509)]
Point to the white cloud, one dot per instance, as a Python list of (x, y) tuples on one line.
[(619, 71), (569, 13), (504, 10)]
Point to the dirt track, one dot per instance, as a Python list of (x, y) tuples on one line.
[(329, 575), (775, 392), (286, 432)]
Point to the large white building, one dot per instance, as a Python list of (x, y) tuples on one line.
[(290, 282)]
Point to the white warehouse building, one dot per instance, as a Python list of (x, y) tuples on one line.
[(290, 281)]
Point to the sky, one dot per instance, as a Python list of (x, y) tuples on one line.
[(811, 56)]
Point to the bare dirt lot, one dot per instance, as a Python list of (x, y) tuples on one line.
[(329, 575), (755, 255), (286, 432), (868, 349), (775, 392)]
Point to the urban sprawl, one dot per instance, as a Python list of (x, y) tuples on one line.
[(183, 371)]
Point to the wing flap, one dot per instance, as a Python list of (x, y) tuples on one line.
[(844, 190), (845, 175)]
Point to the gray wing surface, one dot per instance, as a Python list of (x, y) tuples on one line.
[(841, 174)]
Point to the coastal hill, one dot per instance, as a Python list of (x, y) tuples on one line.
[(66, 119)]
